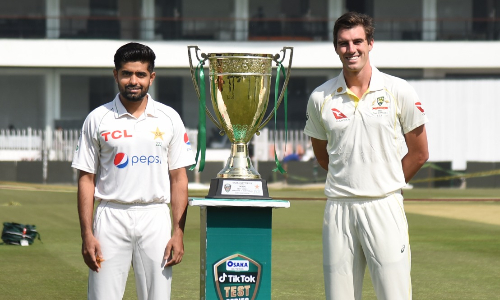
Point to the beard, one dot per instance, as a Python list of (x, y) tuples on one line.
[(126, 94)]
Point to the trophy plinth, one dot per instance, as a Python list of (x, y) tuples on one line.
[(252, 189), (239, 90)]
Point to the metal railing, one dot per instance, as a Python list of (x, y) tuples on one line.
[(185, 28), (296, 142), (59, 145), (37, 144)]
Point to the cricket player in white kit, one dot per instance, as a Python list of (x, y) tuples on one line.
[(358, 123), (132, 155)]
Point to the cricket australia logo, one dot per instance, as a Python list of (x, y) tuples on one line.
[(227, 187), (237, 277), (380, 101), (378, 107)]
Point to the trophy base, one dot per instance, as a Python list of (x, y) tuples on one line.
[(224, 188)]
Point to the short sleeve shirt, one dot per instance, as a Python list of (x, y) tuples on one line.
[(132, 157), (365, 141)]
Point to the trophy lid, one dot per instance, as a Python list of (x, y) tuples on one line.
[(241, 55)]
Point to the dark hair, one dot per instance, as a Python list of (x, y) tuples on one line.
[(135, 52), (352, 19)]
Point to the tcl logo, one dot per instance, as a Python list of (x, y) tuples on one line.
[(117, 134)]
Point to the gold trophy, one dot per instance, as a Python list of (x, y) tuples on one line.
[(239, 89)]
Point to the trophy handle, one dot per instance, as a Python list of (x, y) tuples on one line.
[(285, 83), (193, 78)]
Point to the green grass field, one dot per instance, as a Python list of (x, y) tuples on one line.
[(451, 258)]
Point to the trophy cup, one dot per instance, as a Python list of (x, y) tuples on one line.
[(239, 89)]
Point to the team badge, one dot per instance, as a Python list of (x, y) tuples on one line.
[(227, 187), (158, 134), (378, 107), (237, 277), (380, 101)]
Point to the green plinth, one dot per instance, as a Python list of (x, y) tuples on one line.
[(235, 248)]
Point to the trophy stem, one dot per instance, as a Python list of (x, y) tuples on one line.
[(239, 164), (238, 179)]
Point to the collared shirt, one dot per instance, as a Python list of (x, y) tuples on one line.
[(130, 156), (365, 137)]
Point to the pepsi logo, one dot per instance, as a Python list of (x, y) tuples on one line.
[(121, 160), (186, 139)]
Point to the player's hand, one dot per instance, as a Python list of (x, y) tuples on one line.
[(174, 250), (91, 252)]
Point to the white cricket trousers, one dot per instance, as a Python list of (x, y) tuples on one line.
[(137, 234), (357, 232)]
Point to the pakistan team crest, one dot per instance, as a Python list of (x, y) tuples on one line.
[(237, 277), (227, 187)]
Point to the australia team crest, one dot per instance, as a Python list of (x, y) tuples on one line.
[(380, 106)]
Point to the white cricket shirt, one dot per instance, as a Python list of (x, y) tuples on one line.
[(132, 157), (365, 137)]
